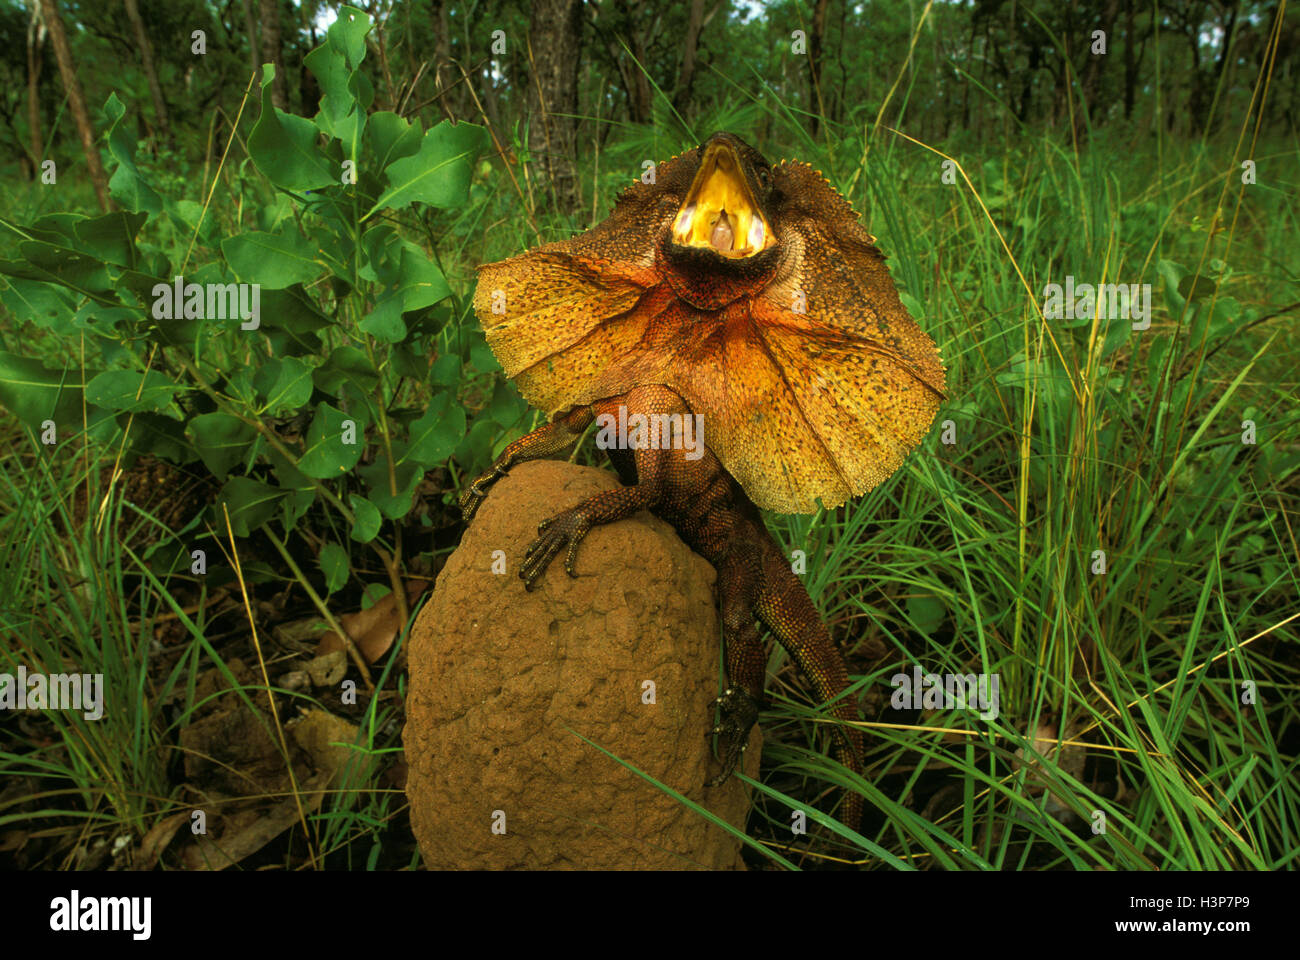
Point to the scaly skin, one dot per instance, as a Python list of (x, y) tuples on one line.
[(718, 521)]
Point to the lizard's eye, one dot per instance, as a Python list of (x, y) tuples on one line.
[(764, 178)]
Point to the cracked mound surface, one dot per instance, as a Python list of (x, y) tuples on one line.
[(499, 678)]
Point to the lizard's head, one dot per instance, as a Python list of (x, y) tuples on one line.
[(723, 242), (725, 210)]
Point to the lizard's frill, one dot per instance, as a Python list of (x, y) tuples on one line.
[(814, 387)]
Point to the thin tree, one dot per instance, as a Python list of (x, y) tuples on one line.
[(76, 101), (815, 59), (554, 49), (150, 72), (694, 26), (35, 40), (273, 52)]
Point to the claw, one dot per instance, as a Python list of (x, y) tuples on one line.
[(476, 493), (739, 712), (554, 534)]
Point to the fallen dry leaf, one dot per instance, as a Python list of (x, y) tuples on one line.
[(325, 737), (327, 669), (155, 841), (243, 833), (373, 630)]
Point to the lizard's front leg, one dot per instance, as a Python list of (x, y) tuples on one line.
[(568, 528), (546, 441)]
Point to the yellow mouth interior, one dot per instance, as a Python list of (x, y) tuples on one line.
[(720, 211)]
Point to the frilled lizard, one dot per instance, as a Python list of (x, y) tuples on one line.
[(748, 297)]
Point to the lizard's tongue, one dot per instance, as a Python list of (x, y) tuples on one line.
[(722, 236)]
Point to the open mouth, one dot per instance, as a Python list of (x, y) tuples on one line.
[(720, 211)]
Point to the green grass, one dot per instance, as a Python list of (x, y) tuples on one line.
[(1070, 437), (79, 597)]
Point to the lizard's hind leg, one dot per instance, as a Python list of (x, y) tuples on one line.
[(784, 605)]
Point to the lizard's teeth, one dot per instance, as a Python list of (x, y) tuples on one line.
[(756, 234), (685, 217), (722, 236)]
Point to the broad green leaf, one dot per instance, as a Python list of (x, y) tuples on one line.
[(439, 173), (409, 360), (413, 283), (339, 115), (476, 447), (445, 371), (250, 503), (382, 247), (482, 358), (1192, 288), (290, 321), (300, 491), (296, 502), (72, 268), (34, 394), (284, 383), (239, 384), (391, 138), (38, 301), (274, 260), (927, 613), (104, 320), (334, 565), (334, 443), (384, 321), (367, 516), (348, 34), (221, 440), (435, 435), (506, 406), (345, 364), (373, 593), (112, 237), (118, 389), (126, 184), (293, 310), (159, 435), (407, 475), (421, 282), (284, 146), (1172, 273)]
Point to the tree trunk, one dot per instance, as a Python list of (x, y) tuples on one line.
[(640, 100), (446, 78), (1130, 60), (554, 50), (815, 61), (682, 95), (76, 101), (150, 72), (35, 40), (273, 52)]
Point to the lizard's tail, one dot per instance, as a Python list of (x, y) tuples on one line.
[(785, 607)]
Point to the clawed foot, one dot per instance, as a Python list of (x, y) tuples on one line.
[(477, 492), (739, 713), (569, 528)]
